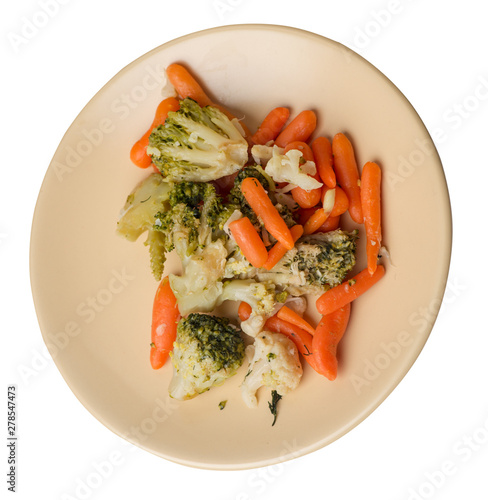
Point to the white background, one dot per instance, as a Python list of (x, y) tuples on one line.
[(429, 439)]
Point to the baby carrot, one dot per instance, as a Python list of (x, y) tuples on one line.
[(244, 311), (341, 201), (138, 153), (330, 224), (249, 241), (299, 129), (287, 314), (185, 85), (259, 201), (271, 125), (322, 152), (347, 174), (305, 199), (165, 316), (371, 204), (349, 290), (278, 250), (321, 214), (328, 334)]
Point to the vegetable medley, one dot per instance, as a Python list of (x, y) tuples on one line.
[(254, 219)]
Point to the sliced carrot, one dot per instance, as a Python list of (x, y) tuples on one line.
[(249, 241), (138, 154), (347, 291), (287, 314), (327, 336), (278, 250), (347, 173), (165, 316), (299, 129), (321, 214), (305, 199), (371, 205), (322, 152), (263, 207), (271, 125)]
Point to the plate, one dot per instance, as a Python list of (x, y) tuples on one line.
[(93, 291)]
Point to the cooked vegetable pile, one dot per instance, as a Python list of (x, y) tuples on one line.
[(254, 219)]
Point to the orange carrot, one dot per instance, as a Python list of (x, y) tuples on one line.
[(305, 213), (165, 316), (347, 291), (305, 199), (278, 250), (330, 224), (322, 152), (249, 241), (328, 334), (185, 85), (287, 314), (299, 129), (371, 205), (138, 153), (301, 338), (341, 201), (321, 214), (347, 174), (259, 201), (244, 311), (271, 125)]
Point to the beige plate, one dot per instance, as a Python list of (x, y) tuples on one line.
[(93, 291)]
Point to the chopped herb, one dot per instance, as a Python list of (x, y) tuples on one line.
[(271, 356), (275, 397), (152, 344), (351, 282), (222, 404), (144, 201)]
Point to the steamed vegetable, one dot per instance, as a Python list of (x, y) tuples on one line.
[(197, 144)]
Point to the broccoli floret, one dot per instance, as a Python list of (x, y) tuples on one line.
[(287, 215), (181, 229), (317, 263), (192, 227), (197, 144), (207, 351)]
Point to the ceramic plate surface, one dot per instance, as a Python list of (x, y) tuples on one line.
[(93, 290)]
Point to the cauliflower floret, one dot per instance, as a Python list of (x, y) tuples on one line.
[(200, 287), (274, 364), (288, 168), (260, 296)]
